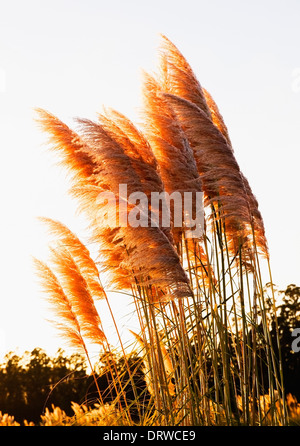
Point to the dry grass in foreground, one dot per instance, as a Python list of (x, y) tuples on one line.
[(108, 415)]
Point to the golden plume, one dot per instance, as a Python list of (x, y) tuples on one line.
[(216, 116), (257, 220), (174, 155), (163, 267), (223, 182), (68, 240), (61, 304), (72, 151), (177, 76), (168, 141), (77, 290), (143, 160)]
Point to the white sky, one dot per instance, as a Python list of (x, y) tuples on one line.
[(72, 57)]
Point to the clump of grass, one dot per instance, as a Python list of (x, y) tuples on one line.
[(7, 420), (200, 303)]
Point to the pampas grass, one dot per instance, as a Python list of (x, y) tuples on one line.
[(199, 302)]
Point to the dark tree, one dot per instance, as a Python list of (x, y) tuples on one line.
[(288, 317), (30, 383)]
